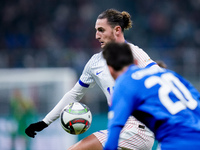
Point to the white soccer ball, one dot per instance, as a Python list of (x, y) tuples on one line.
[(76, 118)]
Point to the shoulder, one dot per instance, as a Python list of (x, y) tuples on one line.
[(126, 78), (138, 51), (133, 46), (140, 55), (127, 85), (95, 60), (143, 73)]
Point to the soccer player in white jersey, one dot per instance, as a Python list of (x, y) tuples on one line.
[(110, 26)]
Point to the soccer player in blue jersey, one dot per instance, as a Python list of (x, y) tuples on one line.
[(161, 99)]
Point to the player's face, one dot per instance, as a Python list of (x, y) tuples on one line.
[(104, 32)]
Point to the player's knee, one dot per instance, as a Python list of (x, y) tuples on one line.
[(78, 146), (88, 143)]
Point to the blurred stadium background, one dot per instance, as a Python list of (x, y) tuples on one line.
[(44, 45)]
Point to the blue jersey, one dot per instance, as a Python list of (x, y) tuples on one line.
[(164, 101)]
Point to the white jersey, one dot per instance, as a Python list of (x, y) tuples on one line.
[(95, 72), (134, 135)]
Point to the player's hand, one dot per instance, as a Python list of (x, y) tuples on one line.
[(32, 128)]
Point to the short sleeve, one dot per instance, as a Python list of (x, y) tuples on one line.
[(87, 79)]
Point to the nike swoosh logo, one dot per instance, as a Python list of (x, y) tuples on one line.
[(99, 72)]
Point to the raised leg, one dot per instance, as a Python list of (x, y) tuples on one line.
[(88, 143)]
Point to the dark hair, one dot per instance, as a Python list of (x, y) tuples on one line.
[(161, 64), (118, 55), (115, 17)]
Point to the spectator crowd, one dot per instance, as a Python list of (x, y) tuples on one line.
[(56, 33)]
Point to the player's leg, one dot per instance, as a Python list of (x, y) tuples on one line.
[(134, 136), (88, 143), (129, 139)]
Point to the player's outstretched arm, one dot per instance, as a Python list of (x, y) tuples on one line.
[(32, 128), (75, 94)]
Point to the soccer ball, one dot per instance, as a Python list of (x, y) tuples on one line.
[(76, 118)]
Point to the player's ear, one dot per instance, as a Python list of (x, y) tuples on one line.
[(117, 30)]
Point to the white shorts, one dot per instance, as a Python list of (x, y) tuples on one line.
[(135, 136)]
